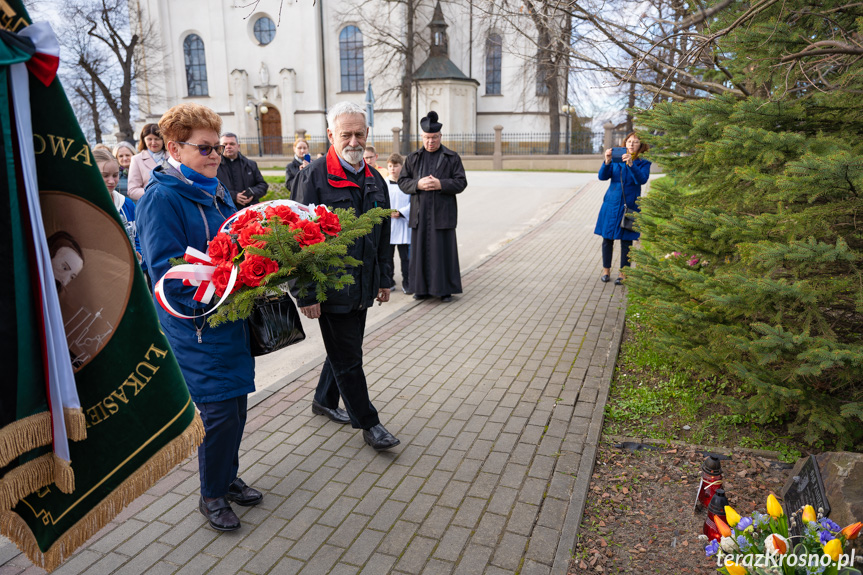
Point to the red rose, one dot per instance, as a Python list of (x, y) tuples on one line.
[(284, 213), (221, 276), (328, 221), (310, 234), (222, 248), (254, 268), (253, 229), (246, 218)]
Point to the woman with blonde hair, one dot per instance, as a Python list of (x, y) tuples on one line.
[(301, 150), (627, 177), (151, 153), (124, 152), (184, 206)]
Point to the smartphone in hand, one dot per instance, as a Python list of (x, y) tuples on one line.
[(308, 157), (617, 154)]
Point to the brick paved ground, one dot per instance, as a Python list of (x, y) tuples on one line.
[(497, 399)]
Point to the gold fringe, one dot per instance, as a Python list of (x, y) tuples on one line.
[(64, 477), (16, 529), (26, 479), (76, 423), (24, 435)]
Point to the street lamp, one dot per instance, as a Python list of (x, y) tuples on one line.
[(257, 109), (568, 111)]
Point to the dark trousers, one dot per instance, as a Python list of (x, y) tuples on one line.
[(608, 249), (404, 256), (343, 373), (219, 454)]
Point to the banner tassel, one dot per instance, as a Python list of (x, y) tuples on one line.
[(26, 434), (26, 479), (174, 453), (76, 423)]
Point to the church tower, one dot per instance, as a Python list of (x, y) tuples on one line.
[(441, 86)]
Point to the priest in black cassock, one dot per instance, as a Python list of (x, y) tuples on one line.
[(432, 176)]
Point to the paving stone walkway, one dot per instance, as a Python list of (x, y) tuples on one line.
[(497, 399)]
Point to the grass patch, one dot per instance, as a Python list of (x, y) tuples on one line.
[(274, 179), (652, 397)]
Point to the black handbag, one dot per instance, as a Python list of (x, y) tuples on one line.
[(275, 324), (628, 213)]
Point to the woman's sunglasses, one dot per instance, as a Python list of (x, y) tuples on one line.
[(204, 149)]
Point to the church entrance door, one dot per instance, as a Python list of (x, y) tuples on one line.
[(271, 132)]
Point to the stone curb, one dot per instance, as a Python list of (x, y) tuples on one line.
[(765, 453), (578, 498)]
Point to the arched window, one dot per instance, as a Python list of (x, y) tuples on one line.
[(493, 55), (196, 65), (543, 73), (351, 56)]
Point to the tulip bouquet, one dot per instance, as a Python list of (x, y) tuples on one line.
[(261, 248), (761, 544)]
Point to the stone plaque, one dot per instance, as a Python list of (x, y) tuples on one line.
[(805, 487)]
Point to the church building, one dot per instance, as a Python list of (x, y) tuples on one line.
[(296, 58)]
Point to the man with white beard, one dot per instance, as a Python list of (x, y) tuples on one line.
[(341, 179)]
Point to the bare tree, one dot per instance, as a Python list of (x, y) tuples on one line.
[(389, 33), (107, 50)]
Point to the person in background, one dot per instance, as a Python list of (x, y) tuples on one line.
[(151, 153), (301, 148), (433, 175), (240, 174), (400, 233), (632, 173), (100, 146), (370, 156), (124, 152), (184, 206), (110, 169), (343, 180)]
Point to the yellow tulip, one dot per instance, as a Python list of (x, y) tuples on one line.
[(734, 568), (833, 549), (773, 507), (732, 516), (808, 514)]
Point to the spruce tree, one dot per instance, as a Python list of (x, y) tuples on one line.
[(752, 259)]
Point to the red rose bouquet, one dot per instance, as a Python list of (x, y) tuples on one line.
[(262, 247)]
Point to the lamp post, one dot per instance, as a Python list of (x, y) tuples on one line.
[(257, 109), (567, 111)]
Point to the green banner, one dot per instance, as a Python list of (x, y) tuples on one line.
[(140, 420)]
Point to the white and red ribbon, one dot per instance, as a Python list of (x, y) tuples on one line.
[(199, 271)]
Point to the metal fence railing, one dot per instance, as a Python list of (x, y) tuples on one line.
[(479, 144)]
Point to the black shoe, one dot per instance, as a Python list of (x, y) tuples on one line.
[(618, 281), (407, 290), (446, 298), (219, 513), (418, 296), (337, 415), (242, 494), (379, 438), (604, 278)]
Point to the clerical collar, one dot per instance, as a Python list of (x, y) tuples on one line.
[(349, 167)]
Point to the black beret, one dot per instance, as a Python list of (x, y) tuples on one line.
[(429, 124)]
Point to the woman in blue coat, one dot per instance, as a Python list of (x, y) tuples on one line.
[(184, 206), (631, 173)]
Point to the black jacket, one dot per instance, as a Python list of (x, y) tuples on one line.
[(324, 182), (242, 175), (291, 173), (453, 180)]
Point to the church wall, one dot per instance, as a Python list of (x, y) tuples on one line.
[(294, 61)]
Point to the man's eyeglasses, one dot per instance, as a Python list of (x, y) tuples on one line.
[(205, 149)]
